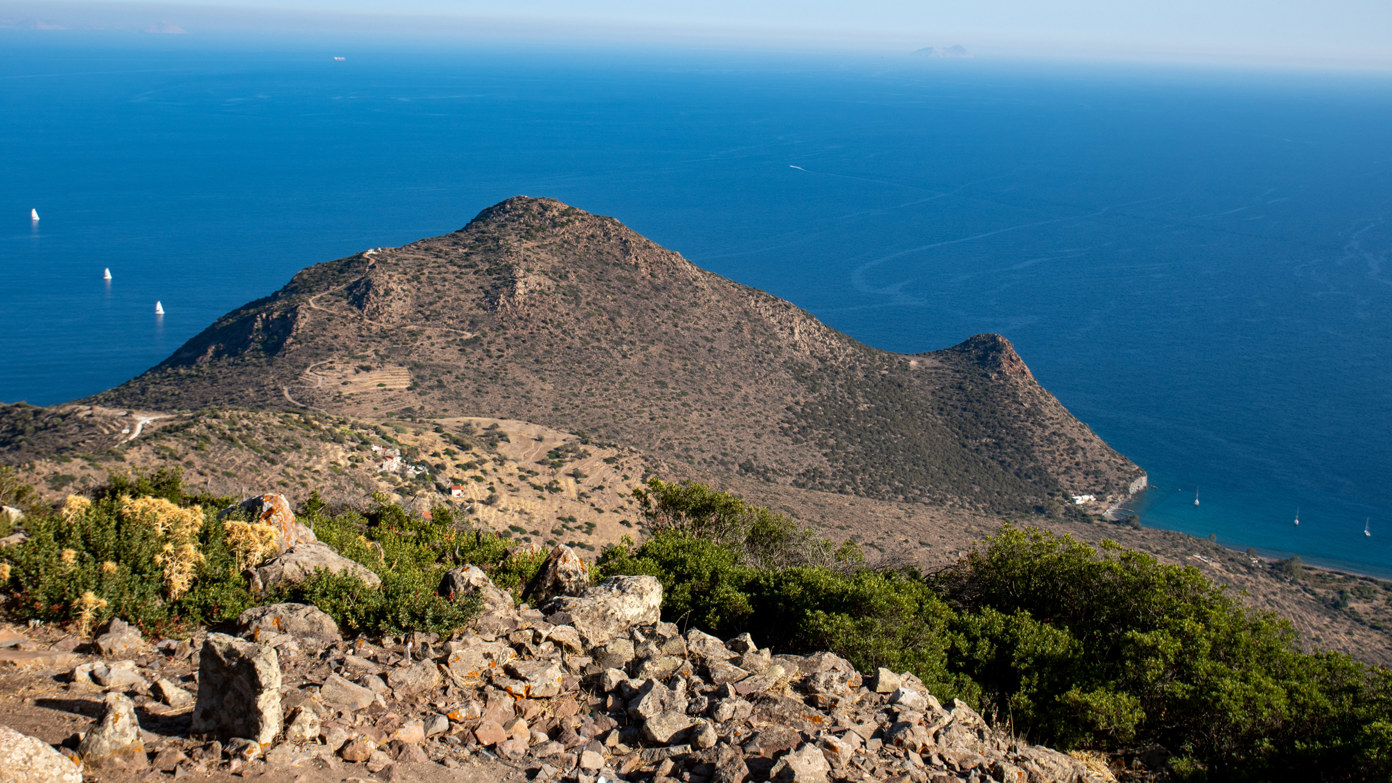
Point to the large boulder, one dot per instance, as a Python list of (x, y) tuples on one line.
[(300, 562), (274, 510), (563, 573), (115, 740), (298, 620), (238, 690), (609, 608), (24, 759)]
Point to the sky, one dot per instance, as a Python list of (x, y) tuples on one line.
[(1316, 31)]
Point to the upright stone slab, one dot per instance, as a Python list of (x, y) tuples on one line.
[(115, 740), (563, 573), (238, 690), (274, 510)]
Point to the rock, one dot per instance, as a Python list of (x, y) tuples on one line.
[(169, 758), (744, 643), (909, 699), (804, 765), (120, 640), (617, 654), (654, 698), (489, 732), (511, 748), (238, 690), (436, 725), (335, 737), (357, 750), (664, 726), (762, 681), (704, 648), (274, 510), (838, 751), (412, 733), (610, 608), (408, 752), (478, 659), (729, 765), (298, 563), (721, 672), (563, 573), (117, 675), (886, 681), (732, 709), (299, 620), (244, 749), (416, 678), (472, 581), (590, 760), (24, 759), (283, 756), (909, 736), (543, 680), (304, 725), (566, 638), (171, 694), (344, 696), (115, 740), (661, 667)]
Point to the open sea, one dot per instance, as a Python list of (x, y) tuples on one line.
[(1197, 262)]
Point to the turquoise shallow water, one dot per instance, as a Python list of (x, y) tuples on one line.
[(1195, 262)]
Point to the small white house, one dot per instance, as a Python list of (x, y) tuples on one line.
[(1079, 500)]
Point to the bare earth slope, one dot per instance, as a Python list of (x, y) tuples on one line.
[(544, 313)]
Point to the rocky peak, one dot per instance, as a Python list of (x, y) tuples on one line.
[(994, 354)]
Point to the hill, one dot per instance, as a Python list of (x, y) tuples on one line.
[(541, 312)]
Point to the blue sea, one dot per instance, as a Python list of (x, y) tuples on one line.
[(1196, 261)]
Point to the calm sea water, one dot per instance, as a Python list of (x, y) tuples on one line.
[(1198, 263)]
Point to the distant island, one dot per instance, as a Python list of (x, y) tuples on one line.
[(954, 52)]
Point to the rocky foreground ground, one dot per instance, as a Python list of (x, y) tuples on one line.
[(592, 686)]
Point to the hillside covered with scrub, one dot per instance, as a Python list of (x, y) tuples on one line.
[(541, 312), (1083, 648)]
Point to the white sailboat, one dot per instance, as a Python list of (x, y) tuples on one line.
[(159, 308), (1196, 497), (34, 214), (1367, 532), (1297, 516), (106, 274)]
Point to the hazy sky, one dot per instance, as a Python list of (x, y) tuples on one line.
[(1348, 30)]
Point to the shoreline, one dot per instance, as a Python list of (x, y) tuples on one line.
[(1122, 511)]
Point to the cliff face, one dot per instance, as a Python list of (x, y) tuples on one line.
[(542, 312)]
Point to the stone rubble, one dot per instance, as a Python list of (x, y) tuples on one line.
[(595, 686)]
